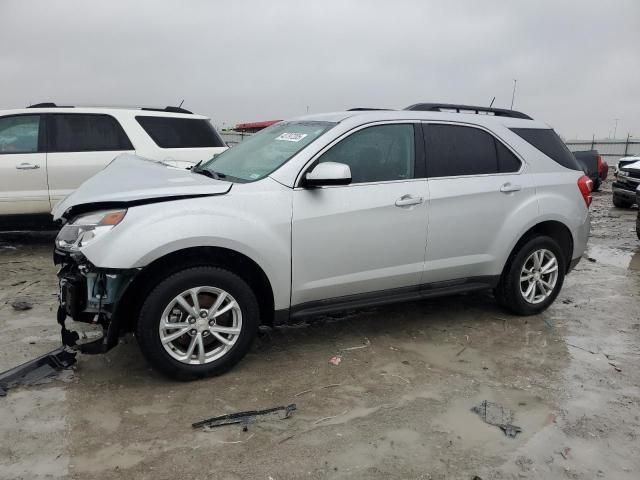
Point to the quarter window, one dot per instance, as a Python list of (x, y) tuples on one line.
[(549, 143), (376, 154), (454, 150), (173, 132), (19, 134), (76, 132)]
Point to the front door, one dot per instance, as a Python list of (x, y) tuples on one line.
[(23, 166), (368, 236)]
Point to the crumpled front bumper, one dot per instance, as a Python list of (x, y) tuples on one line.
[(90, 295)]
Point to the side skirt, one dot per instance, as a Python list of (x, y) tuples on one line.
[(385, 297)]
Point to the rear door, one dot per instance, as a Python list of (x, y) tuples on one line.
[(23, 167), (80, 145), (475, 188)]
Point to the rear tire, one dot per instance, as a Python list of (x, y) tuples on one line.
[(528, 263), (621, 202), (186, 342), (596, 185)]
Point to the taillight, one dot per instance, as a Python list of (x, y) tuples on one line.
[(599, 164), (585, 184)]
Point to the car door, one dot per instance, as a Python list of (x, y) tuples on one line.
[(476, 188), (23, 167), (80, 145), (368, 236)]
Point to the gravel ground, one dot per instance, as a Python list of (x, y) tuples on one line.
[(397, 406)]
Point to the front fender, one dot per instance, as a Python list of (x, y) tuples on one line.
[(150, 232)]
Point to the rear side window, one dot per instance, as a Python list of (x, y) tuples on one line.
[(77, 132), (171, 132), (507, 161), (19, 134), (549, 143), (454, 150)]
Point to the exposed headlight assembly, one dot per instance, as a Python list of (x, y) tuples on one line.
[(622, 173), (86, 228)]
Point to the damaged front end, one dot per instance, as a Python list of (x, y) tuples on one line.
[(86, 293)]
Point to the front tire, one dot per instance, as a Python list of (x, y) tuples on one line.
[(533, 277), (198, 322)]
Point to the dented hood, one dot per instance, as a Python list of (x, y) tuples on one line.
[(133, 180)]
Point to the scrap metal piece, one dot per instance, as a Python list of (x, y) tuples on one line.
[(497, 415), (247, 417), (36, 370)]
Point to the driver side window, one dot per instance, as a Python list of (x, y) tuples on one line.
[(376, 154)]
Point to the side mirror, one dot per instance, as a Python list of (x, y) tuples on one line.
[(328, 173)]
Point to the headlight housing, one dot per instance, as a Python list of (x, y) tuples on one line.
[(622, 173), (86, 228)]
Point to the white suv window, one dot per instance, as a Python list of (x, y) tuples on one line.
[(376, 154), (19, 134), (171, 132), (79, 132)]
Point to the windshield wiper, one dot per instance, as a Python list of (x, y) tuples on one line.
[(208, 173)]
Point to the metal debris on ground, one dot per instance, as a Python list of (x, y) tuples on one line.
[(335, 360), (495, 414), (245, 418), (21, 305), (37, 370)]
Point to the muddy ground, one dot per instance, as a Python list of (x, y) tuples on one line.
[(397, 406)]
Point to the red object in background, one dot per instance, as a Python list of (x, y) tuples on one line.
[(254, 126), (585, 184), (603, 168)]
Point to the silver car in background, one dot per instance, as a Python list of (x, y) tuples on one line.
[(319, 214)]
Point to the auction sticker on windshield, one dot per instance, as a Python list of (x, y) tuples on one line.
[(291, 137)]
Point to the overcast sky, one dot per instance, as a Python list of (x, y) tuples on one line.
[(577, 62)]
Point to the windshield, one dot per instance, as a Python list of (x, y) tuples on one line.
[(264, 152)]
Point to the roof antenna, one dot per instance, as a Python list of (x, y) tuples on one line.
[(180, 106), (491, 104)]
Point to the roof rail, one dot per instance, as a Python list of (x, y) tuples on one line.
[(153, 109), (439, 107), (167, 109), (366, 109), (48, 105)]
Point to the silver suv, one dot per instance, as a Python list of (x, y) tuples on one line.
[(318, 214)]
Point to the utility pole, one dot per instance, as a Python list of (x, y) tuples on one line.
[(615, 128), (513, 95)]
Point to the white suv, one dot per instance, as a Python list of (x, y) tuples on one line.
[(318, 214), (47, 151)]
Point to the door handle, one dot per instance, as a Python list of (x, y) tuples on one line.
[(407, 200), (27, 166), (508, 188)]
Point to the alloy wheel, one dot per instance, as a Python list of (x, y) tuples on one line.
[(539, 276), (200, 325)]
